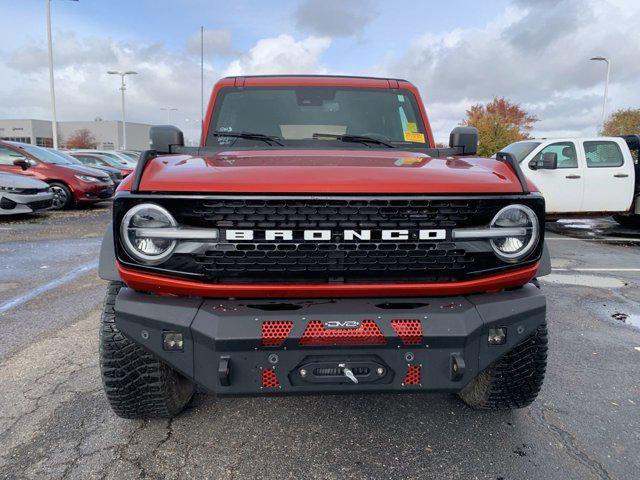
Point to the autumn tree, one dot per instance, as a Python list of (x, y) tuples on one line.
[(625, 121), (499, 123), (82, 138)]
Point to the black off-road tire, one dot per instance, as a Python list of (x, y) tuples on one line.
[(137, 384), (631, 221), (514, 380)]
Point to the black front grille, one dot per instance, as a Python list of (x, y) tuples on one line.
[(335, 260), (40, 204)]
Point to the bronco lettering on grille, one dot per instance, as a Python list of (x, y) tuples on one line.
[(327, 235)]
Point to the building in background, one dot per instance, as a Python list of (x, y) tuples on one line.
[(108, 134)]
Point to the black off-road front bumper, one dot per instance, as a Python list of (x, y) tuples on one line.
[(249, 347)]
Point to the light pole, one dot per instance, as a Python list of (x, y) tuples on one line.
[(606, 86), (169, 110), (123, 87), (54, 122)]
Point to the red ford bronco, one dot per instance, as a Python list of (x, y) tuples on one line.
[(319, 242)]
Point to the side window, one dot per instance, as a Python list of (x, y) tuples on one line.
[(566, 151), (88, 160), (7, 156), (603, 154)]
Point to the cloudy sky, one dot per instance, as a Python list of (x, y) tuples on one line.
[(458, 53)]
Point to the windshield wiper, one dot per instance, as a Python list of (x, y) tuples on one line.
[(249, 135), (353, 138)]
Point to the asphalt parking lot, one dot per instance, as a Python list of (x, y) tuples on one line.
[(55, 423)]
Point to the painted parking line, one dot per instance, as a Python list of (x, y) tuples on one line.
[(596, 269), (27, 297), (602, 239)]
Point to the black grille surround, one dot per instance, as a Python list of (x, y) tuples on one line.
[(334, 261)]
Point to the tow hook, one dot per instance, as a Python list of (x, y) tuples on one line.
[(346, 371), (457, 367)]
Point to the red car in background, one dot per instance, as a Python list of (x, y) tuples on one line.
[(71, 184), (97, 160)]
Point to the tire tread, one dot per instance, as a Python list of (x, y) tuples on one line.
[(137, 384), (514, 380)]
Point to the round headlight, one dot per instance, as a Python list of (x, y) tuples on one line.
[(516, 247), (139, 243)]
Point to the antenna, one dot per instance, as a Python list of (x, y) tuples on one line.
[(201, 80)]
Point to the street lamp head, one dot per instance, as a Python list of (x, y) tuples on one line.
[(131, 72), (113, 72), (602, 59)]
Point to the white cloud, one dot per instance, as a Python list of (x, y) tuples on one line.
[(84, 91), (335, 18), (215, 42), (282, 54), (535, 54)]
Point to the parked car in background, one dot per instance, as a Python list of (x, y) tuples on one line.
[(97, 160), (135, 155), (121, 157), (593, 175), (71, 184), (21, 194), (114, 173)]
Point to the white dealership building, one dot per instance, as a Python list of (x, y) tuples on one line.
[(108, 133)]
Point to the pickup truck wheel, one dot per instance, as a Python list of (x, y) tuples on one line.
[(628, 220), (514, 380), (137, 384)]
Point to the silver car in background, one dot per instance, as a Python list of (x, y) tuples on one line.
[(20, 194)]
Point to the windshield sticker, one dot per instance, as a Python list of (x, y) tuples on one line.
[(408, 161), (412, 127), (413, 137)]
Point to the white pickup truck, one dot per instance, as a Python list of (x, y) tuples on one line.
[(579, 176)]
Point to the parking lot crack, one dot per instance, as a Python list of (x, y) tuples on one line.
[(544, 417)]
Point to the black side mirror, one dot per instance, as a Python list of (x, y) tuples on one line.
[(548, 161), (163, 137), (22, 163), (464, 139)]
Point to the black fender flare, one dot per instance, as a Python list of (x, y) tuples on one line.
[(545, 262), (107, 269)]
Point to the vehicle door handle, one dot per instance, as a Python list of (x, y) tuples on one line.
[(621, 175), (572, 177)]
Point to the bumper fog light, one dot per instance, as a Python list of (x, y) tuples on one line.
[(497, 336), (172, 341)]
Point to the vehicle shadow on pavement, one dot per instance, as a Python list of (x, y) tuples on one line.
[(354, 436)]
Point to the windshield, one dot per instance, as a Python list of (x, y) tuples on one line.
[(520, 149), (45, 155), (122, 160), (132, 155), (295, 114), (66, 156), (111, 161)]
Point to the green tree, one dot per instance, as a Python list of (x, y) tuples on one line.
[(499, 123)]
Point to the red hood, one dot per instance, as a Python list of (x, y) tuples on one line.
[(327, 171)]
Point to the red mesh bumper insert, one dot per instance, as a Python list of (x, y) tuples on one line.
[(269, 378), (409, 331), (274, 333), (413, 375), (367, 333)]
